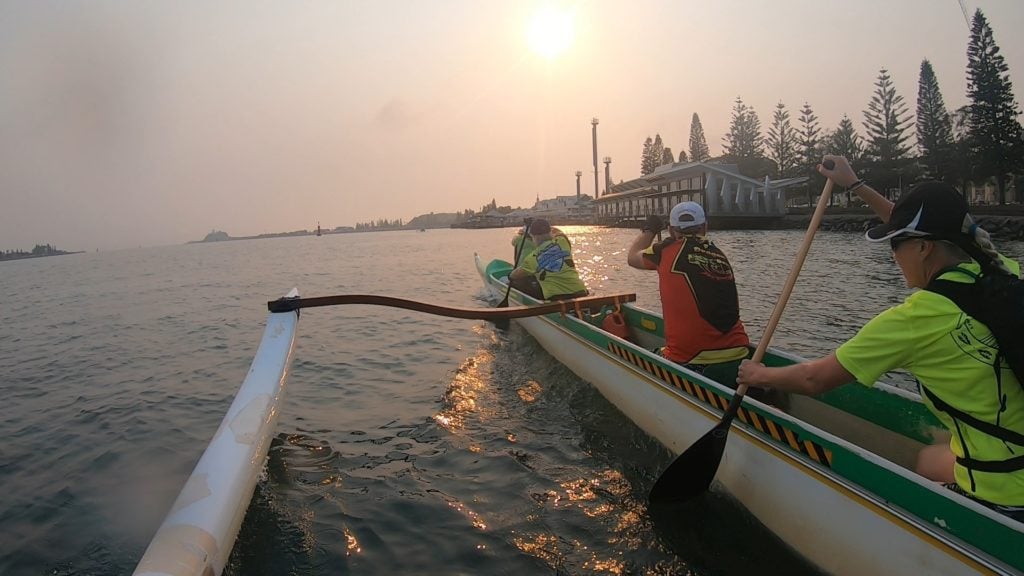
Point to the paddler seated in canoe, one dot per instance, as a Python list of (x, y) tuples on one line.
[(699, 301), (954, 357), (527, 243), (548, 272)]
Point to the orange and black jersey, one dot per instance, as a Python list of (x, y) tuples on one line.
[(698, 295)]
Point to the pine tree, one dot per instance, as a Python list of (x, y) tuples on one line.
[(994, 132), (810, 154), (845, 141), (667, 157), (885, 125), (698, 145), (782, 143), (886, 122), (682, 156), (744, 140), (934, 128), (809, 142), (657, 151), (646, 164)]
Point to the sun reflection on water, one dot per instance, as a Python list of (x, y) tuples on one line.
[(607, 499), (530, 392), (475, 519), (460, 399), (351, 544)]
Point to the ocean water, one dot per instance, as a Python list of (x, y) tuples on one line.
[(407, 443)]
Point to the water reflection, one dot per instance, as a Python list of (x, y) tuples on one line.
[(351, 543), (460, 398)]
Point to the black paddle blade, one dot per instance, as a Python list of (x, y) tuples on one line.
[(692, 472), (503, 323)]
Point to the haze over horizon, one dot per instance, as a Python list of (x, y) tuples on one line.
[(125, 124)]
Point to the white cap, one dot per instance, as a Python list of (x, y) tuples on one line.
[(686, 215)]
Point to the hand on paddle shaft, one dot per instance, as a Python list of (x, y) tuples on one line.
[(504, 324), (654, 223), (692, 472)]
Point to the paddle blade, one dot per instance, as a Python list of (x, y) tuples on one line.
[(502, 323), (692, 472)]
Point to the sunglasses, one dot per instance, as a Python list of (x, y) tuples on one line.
[(896, 241)]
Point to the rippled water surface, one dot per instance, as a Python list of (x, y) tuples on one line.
[(407, 443)]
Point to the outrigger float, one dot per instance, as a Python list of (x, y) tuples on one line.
[(832, 476), (197, 535)]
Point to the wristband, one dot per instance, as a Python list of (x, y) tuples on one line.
[(853, 187)]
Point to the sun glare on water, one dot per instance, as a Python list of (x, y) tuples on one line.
[(550, 33)]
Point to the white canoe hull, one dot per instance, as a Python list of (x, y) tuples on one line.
[(198, 533), (834, 524)]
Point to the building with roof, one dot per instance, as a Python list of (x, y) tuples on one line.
[(729, 198), (575, 209)]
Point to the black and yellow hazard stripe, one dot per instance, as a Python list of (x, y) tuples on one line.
[(778, 431)]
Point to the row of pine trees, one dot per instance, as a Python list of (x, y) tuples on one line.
[(981, 141)]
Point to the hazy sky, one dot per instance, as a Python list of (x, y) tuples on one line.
[(139, 123)]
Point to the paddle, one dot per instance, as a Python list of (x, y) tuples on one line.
[(564, 306), (503, 324), (693, 471)]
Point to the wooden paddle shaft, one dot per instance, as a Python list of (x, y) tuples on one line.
[(289, 304), (519, 252), (798, 263)]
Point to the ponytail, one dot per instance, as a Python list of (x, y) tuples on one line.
[(978, 244)]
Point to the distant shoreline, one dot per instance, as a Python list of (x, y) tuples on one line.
[(215, 237), (28, 255), (1007, 224)]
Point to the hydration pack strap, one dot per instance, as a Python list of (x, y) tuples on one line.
[(1003, 434), (959, 292), (1009, 465)]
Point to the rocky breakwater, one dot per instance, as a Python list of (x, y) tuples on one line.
[(1002, 227)]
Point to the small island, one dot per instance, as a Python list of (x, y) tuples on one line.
[(40, 251)]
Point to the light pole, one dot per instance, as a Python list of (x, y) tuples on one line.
[(607, 174), (593, 124)]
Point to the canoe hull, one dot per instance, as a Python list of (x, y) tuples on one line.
[(755, 473), (834, 523)]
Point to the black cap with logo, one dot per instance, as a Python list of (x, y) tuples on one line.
[(930, 209)]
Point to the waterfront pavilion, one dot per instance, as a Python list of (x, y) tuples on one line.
[(730, 199)]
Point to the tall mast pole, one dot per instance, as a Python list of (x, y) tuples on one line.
[(593, 123)]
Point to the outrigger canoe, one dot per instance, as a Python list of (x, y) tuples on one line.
[(832, 476)]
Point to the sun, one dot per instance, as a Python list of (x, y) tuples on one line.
[(550, 32)]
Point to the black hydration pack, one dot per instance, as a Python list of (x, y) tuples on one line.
[(995, 299)]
